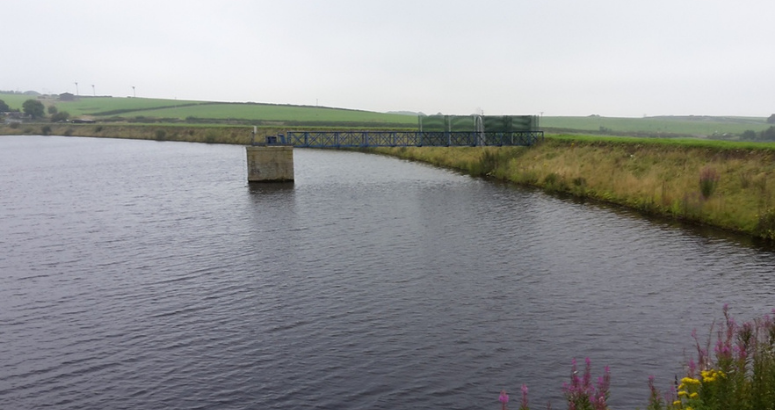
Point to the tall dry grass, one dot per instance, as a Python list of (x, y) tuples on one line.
[(658, 178)]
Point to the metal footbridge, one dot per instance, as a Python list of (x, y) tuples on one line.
[(369, 139), (432, 131)]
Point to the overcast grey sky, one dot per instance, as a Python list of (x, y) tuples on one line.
[(563, 57)]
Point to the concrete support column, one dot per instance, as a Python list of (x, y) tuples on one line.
[(270, 164)]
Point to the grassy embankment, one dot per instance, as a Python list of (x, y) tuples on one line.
[(186, 133), (656, 176)]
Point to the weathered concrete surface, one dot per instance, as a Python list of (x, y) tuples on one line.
[(270, 164)]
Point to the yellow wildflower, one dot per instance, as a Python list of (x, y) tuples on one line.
[(677, 403), (682, 393), (694, 396), (689, 380)]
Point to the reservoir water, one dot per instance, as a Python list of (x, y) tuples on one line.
[(150, 275)]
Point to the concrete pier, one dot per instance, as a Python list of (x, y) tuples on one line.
[(270, 163)]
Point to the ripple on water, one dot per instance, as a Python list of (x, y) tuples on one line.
[(148, 275)]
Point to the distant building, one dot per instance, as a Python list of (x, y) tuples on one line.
[(66, 97), (13, 117)]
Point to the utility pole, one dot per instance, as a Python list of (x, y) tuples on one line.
[(134, 94), (76, 88), (94, 93)]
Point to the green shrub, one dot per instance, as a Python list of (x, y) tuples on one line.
[(60, 116), (765, 226), (45, 130), (555, 182), (551, 178), (487, 163), (160, 135), (708, 181), (580, 182), (746, 178)]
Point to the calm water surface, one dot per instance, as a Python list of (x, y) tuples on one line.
[(148, 275)]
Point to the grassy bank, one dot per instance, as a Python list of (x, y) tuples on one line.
[(190, 133), (728, 185)]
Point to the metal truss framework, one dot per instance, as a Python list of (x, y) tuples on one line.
[(365, 139)]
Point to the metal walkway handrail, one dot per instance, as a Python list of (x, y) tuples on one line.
[(366, 139)]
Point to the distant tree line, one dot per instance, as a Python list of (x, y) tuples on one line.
[(35, 110), (766, 135), (32, 93)]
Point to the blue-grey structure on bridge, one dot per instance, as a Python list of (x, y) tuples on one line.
[(433, 131)]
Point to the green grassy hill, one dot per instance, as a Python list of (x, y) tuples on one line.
[(280, 113), (203, 112), (150, 110)]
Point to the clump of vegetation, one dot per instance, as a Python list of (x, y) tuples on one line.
[(581, 393), (739, 374), (45, 130), (765, 226), (708, 181), (34, 108), (488, 161), (60, 116), (748, 135), (160, 135)]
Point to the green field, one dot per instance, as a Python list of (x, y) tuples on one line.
[(108, 108), (14, 100), (654, 126), (282, 113), (114, 109)]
